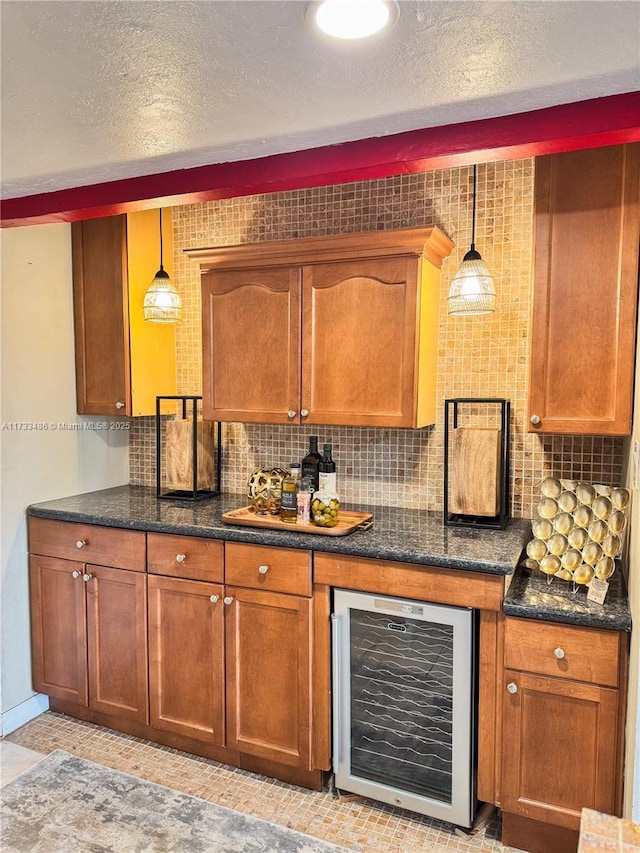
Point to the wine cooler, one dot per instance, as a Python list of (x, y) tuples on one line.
[(404, 703)]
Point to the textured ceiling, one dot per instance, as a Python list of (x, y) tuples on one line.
[(97, 91)]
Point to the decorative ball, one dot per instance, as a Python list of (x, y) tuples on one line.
[(265, 490)]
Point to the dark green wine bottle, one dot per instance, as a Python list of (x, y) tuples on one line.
[(311, 462)]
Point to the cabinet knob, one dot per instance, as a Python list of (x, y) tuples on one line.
[(80, 543), (119, 405), (304, 412), (75, 575), (263, 569), (291, 414), (180, 558), (512, 687), (228, 599), (559, 653), (535, 420), (214, 599), (86, 577)]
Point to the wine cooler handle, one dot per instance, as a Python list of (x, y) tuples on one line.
[(337, 677)]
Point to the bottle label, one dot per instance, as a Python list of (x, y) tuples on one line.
[(311, 471), (289, 500), (327, 481)]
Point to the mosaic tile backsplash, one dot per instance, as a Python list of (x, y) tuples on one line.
[(483, 356)]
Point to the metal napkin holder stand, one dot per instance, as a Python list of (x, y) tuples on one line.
[(194, 494), (499, 521)]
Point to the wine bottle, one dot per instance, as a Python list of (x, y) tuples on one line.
[(327, 478), (311, 462)]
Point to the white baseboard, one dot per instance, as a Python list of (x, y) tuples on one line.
[(23, 713)]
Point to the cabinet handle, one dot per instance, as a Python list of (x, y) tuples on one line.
[(228, 599), (263, 569), (512, 687), (80, 543), (291, 414), (86, 577), (559, 653), (119, 405), (535, 420), (180, 558), (304, 412), (214, 599), (75, 575)]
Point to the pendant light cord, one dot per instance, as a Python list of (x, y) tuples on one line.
[(473, 213), (161, 267)]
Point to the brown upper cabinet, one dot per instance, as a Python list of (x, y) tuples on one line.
[(587, 228), (326, 330), (122, 362)]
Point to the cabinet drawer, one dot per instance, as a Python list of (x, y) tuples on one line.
[(265, 567), (581, 654), (88, 543), (185, 557)]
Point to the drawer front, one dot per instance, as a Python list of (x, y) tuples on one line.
[(581, 654), (185, 557), (88, 543), (269, 568)]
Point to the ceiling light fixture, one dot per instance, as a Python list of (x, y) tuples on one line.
[(472, 291), (353, 19), (162, 303)]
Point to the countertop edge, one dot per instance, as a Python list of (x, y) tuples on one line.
[(608, 623), (345, 545)]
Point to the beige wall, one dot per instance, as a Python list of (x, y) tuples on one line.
[(38, 387)]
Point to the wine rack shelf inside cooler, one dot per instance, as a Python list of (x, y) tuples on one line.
[(402, 702)]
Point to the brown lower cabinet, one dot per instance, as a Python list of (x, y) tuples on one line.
[(562, 731), (238, 672), (186, 658), (268, 647), (261, 640), (88, 635)]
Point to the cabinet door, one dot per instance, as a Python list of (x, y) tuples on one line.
[(251, 345), (101, 333), (186, 658), (559, 748), (359, 342), (585, 291), (268, 645), (58, 629), (117, 642)]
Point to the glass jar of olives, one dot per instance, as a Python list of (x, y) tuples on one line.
[(325, 506)]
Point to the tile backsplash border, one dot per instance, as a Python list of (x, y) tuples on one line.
[(477, 357)]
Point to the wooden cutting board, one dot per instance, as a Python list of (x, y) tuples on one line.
[(348, 522), (474, 473)]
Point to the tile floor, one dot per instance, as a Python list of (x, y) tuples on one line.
[(365, 827)]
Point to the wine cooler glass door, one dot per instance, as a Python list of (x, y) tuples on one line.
[(403, 703)]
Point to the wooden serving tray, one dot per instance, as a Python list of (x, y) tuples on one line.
[(348, 521)]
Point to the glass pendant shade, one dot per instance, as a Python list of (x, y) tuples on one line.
[(472, 291), (162, 303)]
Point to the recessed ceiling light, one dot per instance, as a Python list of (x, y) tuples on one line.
[(353, 19)]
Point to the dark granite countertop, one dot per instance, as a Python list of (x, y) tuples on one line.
[(530, 597), (406, 535)]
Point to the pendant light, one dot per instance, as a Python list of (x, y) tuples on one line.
[(472, 291), (162, 303)]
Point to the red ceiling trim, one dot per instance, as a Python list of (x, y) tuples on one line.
[(585, 124)]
